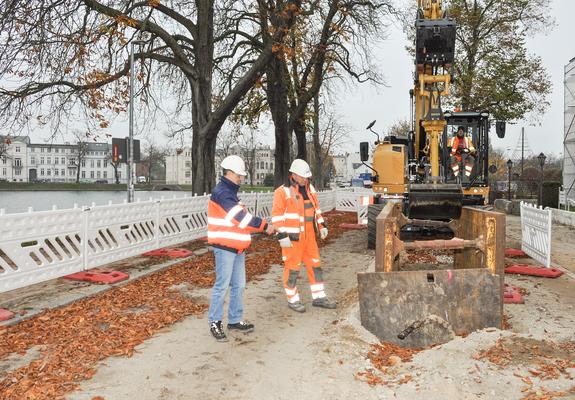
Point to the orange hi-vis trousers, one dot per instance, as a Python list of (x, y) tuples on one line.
[(304, 251)]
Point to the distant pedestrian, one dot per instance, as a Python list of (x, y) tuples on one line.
[(229, 228)]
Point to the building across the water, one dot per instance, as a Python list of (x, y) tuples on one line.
[(24, 161)]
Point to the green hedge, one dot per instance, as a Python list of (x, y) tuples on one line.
[(551, 194)]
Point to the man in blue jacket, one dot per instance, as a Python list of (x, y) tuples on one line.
[(229, 228)]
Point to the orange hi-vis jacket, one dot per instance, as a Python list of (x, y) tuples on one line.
[(229, 223), (467, 144), (288, 212)]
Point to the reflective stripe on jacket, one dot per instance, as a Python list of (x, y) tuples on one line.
[(467, 144), (229, 223), (288, 212)]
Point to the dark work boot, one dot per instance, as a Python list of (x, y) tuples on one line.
[(218, 332), (324, 303), (241, 326), (297, 306)]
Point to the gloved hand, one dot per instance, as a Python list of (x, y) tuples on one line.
[(285, 242), (323, 233)]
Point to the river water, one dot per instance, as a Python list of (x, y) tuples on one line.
[(20, 201)]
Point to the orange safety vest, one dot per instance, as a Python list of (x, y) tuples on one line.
[(289, 212), (224, 230), (467, 144)]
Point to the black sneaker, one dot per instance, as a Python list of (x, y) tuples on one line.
[(242, 326), (324, 303), (218, 332), (298, 306)]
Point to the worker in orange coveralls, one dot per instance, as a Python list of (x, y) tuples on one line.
[(460, 144), (297, 218)]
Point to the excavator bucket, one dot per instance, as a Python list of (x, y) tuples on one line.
[(435, 201)]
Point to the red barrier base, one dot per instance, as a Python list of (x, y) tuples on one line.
[(511, 295), (5, 315), (353, 226), (515, 253), (173, 253), (100, 277), (524, 269)]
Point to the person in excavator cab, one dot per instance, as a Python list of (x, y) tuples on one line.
[(297, 218), (462, 145)]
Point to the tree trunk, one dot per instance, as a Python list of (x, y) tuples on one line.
[(203, 138), (299, 130), (316, 144), (276, 92)]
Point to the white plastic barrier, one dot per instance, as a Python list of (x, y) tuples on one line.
[(536, 226), (38, 246)]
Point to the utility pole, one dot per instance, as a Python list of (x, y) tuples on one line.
[(131, 133)]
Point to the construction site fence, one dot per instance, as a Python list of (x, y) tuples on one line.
[(536, 226), (41, 245)]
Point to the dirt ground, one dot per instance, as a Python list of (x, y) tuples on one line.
[(323, 354)]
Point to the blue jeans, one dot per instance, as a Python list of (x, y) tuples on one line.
[(230, 272)]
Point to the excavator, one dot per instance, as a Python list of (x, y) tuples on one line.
[(420, 203)]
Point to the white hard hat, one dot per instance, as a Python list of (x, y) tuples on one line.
[(234, 164), (301, 168)]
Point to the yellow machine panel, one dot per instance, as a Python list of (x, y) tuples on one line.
[(389, 160)]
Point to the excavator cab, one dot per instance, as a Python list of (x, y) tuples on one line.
[(475, 186)]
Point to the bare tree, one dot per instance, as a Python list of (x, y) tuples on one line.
[(248, 141), (153, 157), (73, 54), (328, 135), (81, 151), (332, 40)]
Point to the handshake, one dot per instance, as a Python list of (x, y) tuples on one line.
[(270, 230)]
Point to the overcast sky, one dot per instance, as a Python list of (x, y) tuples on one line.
[(387, 105), (364, 103)]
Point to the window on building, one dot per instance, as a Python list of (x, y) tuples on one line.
[(56, 160), (4, 171), (188, 174), (105, 163), (83, 163), (63, 160), (57, 150), (33, 160), (17, 149), (48, 172), (266, 165), (99, 164), (18, 162), (119, 174), (42, 171), (41, 160), (41, 149), (92, 174), (272, 165), (17, 171), (32, 150), (56, 172), (63, 172), (48, 160), (105, 174), (91, 163), (4, 160), (83, 174), (98, 174), (49, 149)]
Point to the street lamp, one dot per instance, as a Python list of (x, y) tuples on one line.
[(509, 166), (131, 133), (541, 157)]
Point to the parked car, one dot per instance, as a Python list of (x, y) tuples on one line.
[(101, 181), (141, 179)]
